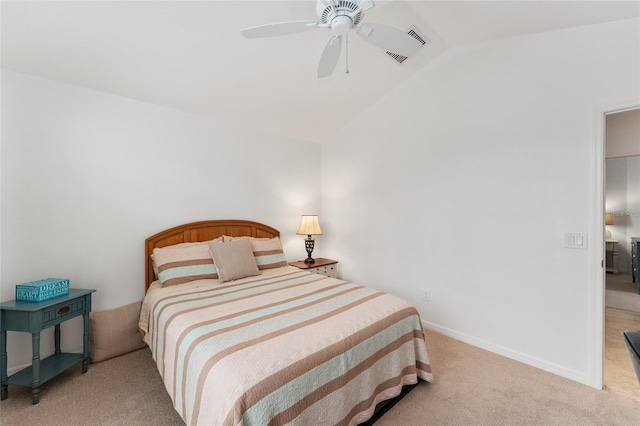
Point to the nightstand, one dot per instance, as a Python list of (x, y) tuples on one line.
[(635, 249), (33, 317), (322, 266)]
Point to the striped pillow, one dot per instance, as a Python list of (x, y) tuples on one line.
[(178, 265), (179, 245), (268, 253)]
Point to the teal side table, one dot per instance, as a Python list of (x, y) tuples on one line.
[(33, 317)]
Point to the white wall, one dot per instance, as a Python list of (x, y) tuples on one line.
[(87, 176), (465, 180), (623, 202)]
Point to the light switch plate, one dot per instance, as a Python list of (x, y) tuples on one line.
[(575, 241)]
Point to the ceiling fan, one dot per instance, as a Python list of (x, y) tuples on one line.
[(341, 16)]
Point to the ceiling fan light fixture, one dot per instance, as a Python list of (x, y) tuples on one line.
[(341, 25), (327, 11)]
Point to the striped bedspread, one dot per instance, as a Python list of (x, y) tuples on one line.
[(285, 347)]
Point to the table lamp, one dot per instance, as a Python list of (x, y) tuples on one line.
[(608, 220), (309, 226)]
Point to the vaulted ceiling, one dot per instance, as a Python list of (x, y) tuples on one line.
[(190, 55)]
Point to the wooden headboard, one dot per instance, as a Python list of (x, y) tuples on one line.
[(201, 231)]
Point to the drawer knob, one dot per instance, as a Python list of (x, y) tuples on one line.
[(63, 311)]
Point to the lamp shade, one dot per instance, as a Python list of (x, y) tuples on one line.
[(309, 225), (608, 219)]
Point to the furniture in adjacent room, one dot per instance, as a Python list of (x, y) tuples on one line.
[(635, 244), (33, 317), (322, 266), (632, 340), (611, 248)]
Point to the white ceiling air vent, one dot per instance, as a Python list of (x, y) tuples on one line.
[(415, 33)]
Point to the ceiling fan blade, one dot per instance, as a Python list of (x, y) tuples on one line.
[(330, 56), (278, 29), (389, 38)]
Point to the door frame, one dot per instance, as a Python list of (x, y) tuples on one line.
[(598, 271)]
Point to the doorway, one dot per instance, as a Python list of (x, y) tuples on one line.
[(622, 222)]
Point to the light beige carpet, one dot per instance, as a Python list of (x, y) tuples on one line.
[(472, 387)]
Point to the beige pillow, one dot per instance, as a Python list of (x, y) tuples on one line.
[(234, 260), (114, 332)]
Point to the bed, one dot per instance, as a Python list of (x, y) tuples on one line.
[(282, 346)]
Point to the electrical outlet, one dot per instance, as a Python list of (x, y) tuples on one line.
[(426, 296)]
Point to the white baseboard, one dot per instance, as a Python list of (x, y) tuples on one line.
[(506, 352)]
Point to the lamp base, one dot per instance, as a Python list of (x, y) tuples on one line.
[(308, 245)]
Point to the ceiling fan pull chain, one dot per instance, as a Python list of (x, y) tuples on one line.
[(346, 71)]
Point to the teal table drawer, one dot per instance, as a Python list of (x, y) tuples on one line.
[(62, 312)]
